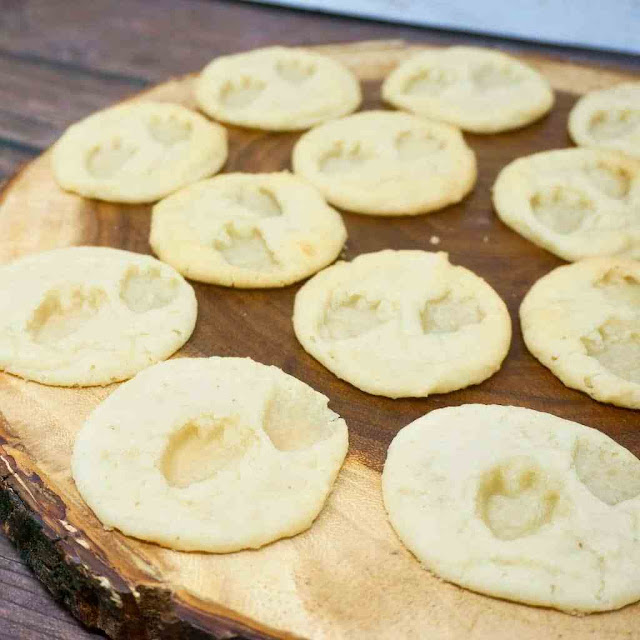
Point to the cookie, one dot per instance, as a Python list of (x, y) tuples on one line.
[(247, 230), (582, 321), (403, 323), (518, 504), (138, 152), (277, 89), (85, 316), (386, 163), (237, 453), (576, 203), (478, 90), (608, 119)]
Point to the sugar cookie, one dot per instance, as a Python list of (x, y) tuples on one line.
[(247, 230), (582, 321), (210, 454), (386, 163), (576, 203), (518, 504), (403, 323), (138, 152), (86, 316)]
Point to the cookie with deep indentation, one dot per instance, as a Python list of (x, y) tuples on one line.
[(247, 230), (518, 504), (386, 163), (277, 88), (608, 119), (138, 152), (403, 323), (86, 316), (238, 453), (582, 321), (476, 89), (576, 203)]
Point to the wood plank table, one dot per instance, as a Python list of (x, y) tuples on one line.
[(61, 60)]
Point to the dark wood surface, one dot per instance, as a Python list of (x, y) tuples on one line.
[(61, 60)]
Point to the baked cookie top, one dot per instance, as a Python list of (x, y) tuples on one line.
[(608, 119), (84, 316), (403, 323), (476, 89), (210, 454), (138, 152), (576, 203), (277, 88), (582, 321), (518, 504), (386, 163), (247, 230)]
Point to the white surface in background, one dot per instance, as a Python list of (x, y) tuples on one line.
[(596, 24)]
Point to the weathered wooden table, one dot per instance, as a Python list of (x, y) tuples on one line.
[(61, 60)]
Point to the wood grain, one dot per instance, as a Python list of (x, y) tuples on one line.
[(348, 576)]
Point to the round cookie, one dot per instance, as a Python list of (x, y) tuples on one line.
[(608, 119), (476, 89), (138, 152), (238, 453), (403, 323), (277, 89), (518, 504), (386, 163), (582, 321), (576, 203), (85, 316), (247, 230)]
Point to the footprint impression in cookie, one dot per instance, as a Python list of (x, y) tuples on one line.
[(277, 88), (138, 152), (608, 119), (86, 316), (386, 163), (403, 323), (247, 230), (576, 203), (518, 504), (210, 454), (582, 321), (476, 89)]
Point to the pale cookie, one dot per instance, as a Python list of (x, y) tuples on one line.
[(138, 152), (518, 504), (403, 323), (582, 321), (386, 163), (85, 316), (478, 90), (576, 203), (215, 454), (247, 230), (608, 119), (277, 88)]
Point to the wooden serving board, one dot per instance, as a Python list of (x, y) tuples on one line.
[(348, 576)]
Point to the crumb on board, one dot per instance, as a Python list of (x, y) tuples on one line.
[(485, 239), (434, 239)]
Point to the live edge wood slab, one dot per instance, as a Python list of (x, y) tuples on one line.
[(348, 576)]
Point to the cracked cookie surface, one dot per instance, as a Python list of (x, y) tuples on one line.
[(518, 504), (575, 203), (277, 88), (582, 321), (247, 230), (86, 316), (138, 152), (403, 323), (238, 453), (478, 90), (386, 163)]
